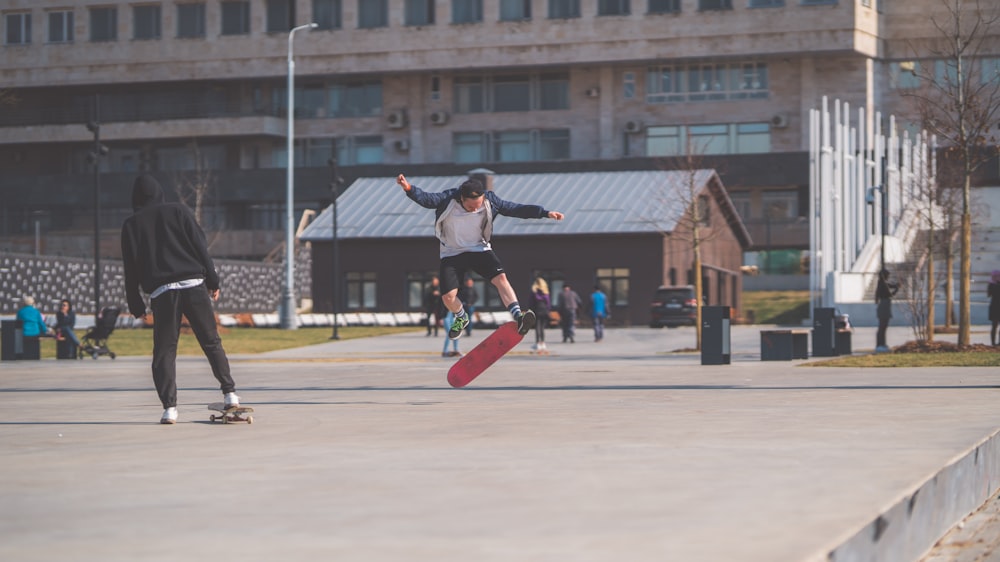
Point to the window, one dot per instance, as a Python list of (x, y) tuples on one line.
[(613, 7), (553, 144), (512, 93), (614, 282), (709, 139), (417, 284), (103, 24), (363, 149), (466, 11), (766, 3), (419, 12), (469, 147), (191, 20), (816, 2), (736, 138), (327, 14), (741, 201), (628, 90), (360, 290), (61, 27), (553, 91), (664, 6), (470, 94), (780, 204), (236, 17), (707, 82), (664, 141), (280, 15), (373, 13), (435, 88), (710, 5), (320, 100), (564, 9), (515, 10), (146, 22), (753, 138), (363, 99), (18, 29), (989, 70), (704, 210), (512, 146), (314, 153), (946, 73), (664, 84)]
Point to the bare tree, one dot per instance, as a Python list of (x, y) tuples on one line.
[(680, 211), (959, 101), (194, 185)]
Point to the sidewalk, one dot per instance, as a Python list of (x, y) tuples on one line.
[(614, 451)]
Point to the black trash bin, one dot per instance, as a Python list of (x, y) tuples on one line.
[(65, 349), (824, 332), (10, 336), (715, 335)]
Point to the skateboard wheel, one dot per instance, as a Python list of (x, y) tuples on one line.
[(211, 417), (249, 419)]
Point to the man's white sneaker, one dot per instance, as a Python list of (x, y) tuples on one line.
[(169, 416), (231, 400)]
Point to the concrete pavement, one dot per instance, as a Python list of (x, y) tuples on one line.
[(614, 451)]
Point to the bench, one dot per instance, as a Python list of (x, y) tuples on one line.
[(784, 345)]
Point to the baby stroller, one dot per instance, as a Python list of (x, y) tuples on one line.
[(95, 342)]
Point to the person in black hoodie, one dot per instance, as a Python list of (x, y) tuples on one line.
[(166, 257)]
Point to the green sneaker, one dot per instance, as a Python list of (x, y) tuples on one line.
[(458, 327)]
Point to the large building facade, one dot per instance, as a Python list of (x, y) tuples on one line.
[(194, 91)]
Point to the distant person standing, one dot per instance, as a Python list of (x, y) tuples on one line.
[(540, 303), (569, 304), (32, 322), (993, 292), (165, 255), (884, 292), (598, 311), (469, 296), (432, 306)]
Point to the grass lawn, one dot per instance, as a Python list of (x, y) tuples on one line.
[(950, 359), (235, 340), (777, 307)]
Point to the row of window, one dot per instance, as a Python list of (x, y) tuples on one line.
[(526, 145), (328, 14), (908, 75)]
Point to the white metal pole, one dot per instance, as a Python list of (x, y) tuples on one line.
[(288, 321)]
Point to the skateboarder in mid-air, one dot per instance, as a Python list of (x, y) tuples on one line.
[(464, 225)]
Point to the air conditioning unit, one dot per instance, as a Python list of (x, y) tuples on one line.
[(779, 121), (396, 119), (633, 127), (439, 117), (402, 145), (592, 92)]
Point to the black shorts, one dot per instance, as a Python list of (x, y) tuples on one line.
[(455, 268)]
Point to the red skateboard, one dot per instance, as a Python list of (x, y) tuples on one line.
[(470, 366)]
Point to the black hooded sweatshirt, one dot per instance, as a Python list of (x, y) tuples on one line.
[(161, 243)]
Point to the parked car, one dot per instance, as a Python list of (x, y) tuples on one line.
[(673, 306)]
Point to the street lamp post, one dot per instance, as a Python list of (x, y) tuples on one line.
[(94, 156), (335, 182), (287, 291)]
